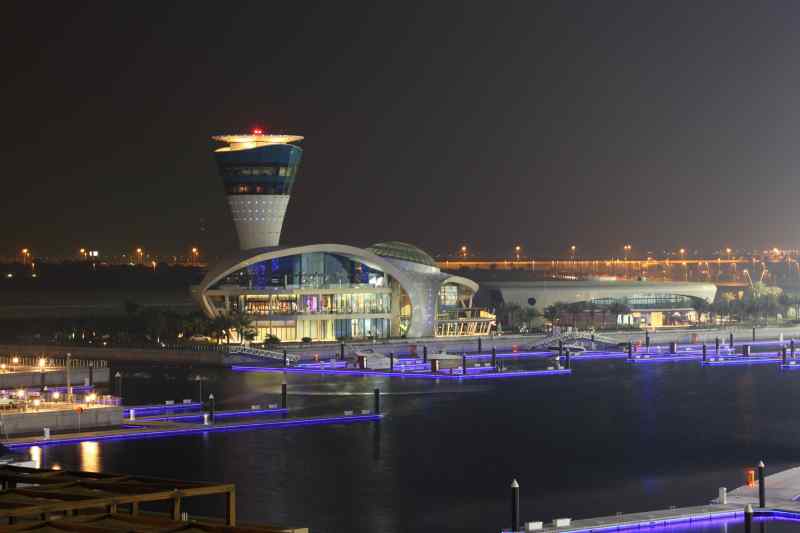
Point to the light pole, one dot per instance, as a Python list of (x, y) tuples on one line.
[(195, 255), (517, 250), (463, 250), (140, 255)]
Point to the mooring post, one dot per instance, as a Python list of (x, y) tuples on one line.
[(560, 347), (762, 489), (480, 345), (341, 352), (377, 406), (705, 352), (630, 351), (119, 387), (716, 345), (514, 506), (783, 350), (464, 363), (673, 347), (731, 340), (391, 361), (424, 354), (746, 350), (754, 334), (285, 359), (567, 356), (647, 339), (494, 357), (211, 402), (791, 345), (283, 395), (748, 519)]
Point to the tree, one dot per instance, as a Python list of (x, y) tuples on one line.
[(532, 315), (221, 327), (242, 323)]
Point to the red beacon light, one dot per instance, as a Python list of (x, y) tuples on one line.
[(258, 131)]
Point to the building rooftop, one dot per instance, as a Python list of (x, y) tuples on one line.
[(254, 139), (404, 251)]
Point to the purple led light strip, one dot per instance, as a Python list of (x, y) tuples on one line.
[(144, 409), (222, 414), (274, 424), (412, 375), (739, 361)]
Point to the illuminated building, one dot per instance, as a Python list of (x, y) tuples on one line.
[(651, 303), (322, 291)]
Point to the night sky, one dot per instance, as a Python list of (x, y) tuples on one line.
[(663, 124)]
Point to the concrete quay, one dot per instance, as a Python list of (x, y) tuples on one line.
[(63, 419)]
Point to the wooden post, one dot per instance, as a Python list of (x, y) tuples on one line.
[(134, 508), (176, 507), (230, 511)]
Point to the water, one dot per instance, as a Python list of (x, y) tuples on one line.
[(612, 437)]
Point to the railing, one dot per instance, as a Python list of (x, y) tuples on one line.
[(259, 353)]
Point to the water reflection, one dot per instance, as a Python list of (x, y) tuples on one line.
[(90, 456), (36, 456)]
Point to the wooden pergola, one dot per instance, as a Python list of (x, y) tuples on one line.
[(46, 494)]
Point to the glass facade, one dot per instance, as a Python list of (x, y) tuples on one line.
[(650, 301), (314, 270), (294, 304), (322, 330), (263, 170)]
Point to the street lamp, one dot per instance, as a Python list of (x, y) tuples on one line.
[(140, 254), (463, 250), (517, 250), (195, 254)]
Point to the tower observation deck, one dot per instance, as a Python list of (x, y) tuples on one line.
[(258, 171)]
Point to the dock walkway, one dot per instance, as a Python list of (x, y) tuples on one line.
[(151, 429)]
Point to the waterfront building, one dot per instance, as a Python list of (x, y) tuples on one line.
[(652, 303), (322, 291)]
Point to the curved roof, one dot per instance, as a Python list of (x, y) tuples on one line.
[(402, 250)]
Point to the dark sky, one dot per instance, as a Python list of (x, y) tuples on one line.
[(663, 124)]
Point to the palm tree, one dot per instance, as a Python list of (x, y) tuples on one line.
[(242, 323), (531, 314)]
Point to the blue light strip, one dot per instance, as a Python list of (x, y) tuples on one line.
[(665, 358), (147, 433), (702, 518), (155, 409), (218, 414), (410, 375), (743, 361)]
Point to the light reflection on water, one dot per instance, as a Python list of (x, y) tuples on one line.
[(612, 437)]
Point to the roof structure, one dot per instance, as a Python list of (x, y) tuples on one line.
[(56, 492), (403, 251)]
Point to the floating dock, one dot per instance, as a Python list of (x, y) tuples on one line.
[(142, 429), (404, 374)]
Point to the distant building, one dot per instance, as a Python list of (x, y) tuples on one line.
[(322, 291), (652, 303)]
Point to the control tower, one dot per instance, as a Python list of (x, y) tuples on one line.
[(258, 170)]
